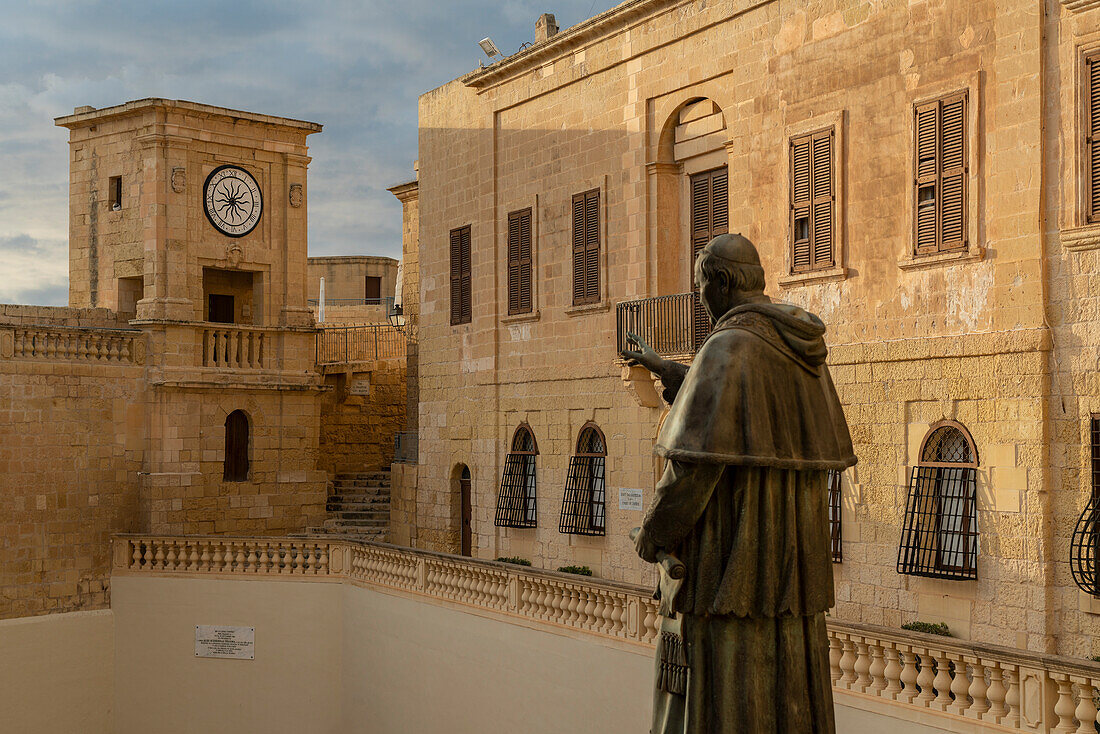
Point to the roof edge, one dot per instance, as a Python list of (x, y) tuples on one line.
[(80, 119)]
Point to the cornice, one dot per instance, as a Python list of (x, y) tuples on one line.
[(406, 191), (1080, 6), (565, 42)]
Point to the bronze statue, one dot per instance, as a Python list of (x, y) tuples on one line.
[(754, 427)]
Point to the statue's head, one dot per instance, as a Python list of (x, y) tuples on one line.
[(728, 273)]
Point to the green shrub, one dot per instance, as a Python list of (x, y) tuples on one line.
[(1094, 658), (579, 570), (515, 559), (928, 628)]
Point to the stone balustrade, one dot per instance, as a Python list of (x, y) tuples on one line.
[(952, 685), (73, 344), (234, 347)]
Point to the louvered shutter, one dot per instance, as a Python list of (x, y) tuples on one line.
[(801, 201), (824, 214), (592, 247), (709, 218), (700, 214), (1092, 140), (467, 306), (578, 250), (456, 276), (513, 262), (953, 173), (925, 189), (525, 263)]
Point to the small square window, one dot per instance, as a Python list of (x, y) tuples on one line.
[(115, 193)]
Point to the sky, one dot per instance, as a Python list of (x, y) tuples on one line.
[(357, 67)]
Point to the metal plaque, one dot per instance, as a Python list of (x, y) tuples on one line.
[(217, 641), (630, 499)]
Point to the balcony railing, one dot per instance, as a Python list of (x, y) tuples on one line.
[(341, 344), (405, 447), (386, 301), (951, 685), (234, 347), (673, 325), (74, 344)]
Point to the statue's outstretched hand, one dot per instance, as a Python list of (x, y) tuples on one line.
[(643, 355)]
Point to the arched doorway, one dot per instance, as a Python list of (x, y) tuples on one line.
[(465, 490)]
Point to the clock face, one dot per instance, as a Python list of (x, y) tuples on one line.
[(232, 200)]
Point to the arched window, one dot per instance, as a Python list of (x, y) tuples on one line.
[(940, 537), (583, 509), (236, 447), (1084, 550), (516, 501)]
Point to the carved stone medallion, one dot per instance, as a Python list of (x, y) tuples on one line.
[(179, 179), (296, 195)]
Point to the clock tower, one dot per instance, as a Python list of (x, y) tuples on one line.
[(187, 212)]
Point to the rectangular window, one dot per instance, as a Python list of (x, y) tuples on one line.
[(519, 262), (833, 483), (114, 193), (940, 175), (220, 310), (709, 218), (461, 311), (812, 201), (1092, 137), (586, 248), (373, 290)]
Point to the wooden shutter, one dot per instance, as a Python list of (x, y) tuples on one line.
[(801, 200), (925, 189), (1092, 136), (824, 197), (461, 311), (953, 173), (519, 262), (709, 218), (235, 463), (586, 247)]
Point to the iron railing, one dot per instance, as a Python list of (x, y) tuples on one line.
[(406, 447), (339, 344), (386, 301), (672, 325)]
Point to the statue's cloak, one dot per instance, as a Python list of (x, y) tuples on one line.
[(754, 427), (759, 394)]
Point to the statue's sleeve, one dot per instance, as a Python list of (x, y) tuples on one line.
[(679, 501), (671, 381)]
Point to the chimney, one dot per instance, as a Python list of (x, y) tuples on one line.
[(545, 27)]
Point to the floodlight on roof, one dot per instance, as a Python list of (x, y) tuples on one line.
[(489, 47)]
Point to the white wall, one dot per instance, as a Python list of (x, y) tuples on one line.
[(57, 674)]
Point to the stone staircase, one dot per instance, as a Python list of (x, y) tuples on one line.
[(359, 506)]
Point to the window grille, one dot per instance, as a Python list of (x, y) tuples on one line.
[(583, 510), (940, 536), (1085, 543), (834, 515), (516, 501)]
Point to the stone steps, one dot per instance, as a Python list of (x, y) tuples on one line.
[(358, 506)]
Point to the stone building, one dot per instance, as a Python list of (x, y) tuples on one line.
[(918, 174), (358, 288), (181, 391)]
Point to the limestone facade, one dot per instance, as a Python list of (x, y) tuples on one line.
[(114, 410), (999, 336), (348, 296)]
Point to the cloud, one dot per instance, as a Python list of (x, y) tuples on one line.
[(356, 66), (35, 271)]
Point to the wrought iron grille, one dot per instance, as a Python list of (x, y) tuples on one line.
[(1084, 550), (672, 325), (834, 515), (940, 537), (583, 509), (516, 502)]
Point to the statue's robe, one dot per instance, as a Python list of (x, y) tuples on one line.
[(755, 425)]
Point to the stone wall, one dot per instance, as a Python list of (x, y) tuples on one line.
[(961, 337), (360, 416), (345, 277)]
